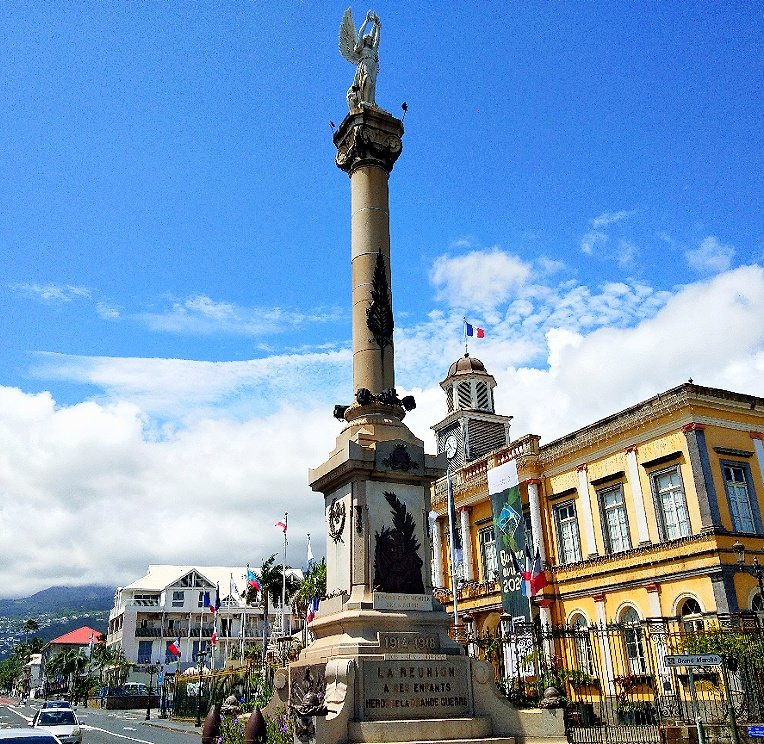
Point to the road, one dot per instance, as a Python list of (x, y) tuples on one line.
[(112, 726)]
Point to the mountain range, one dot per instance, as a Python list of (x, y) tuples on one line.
[(56, 610)]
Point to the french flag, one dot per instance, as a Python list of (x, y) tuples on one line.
[(312, 609), (475, 331), (174, 647)]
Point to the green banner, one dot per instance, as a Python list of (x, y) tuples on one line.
[(509, 533)]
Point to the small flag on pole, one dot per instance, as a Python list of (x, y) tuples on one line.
[(252, 580), (538, 576), (174, 647), (206, 602), (216, 606), (233, 590), (474, 331), (311, 559), (282, 524), (312, 609)]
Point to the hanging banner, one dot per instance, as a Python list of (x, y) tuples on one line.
[(509, 533)]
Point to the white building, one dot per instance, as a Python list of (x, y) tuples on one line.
[(169, 603)]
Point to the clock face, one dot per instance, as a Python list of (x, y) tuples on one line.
[(451, 446)]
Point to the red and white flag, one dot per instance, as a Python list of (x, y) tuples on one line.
[(282, 524), (174, 647)]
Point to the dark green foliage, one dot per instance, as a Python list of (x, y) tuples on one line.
[(397, 565), (379, 315)]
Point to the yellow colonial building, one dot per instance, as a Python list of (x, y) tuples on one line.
[(644, 514)]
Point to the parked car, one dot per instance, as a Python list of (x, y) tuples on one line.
[(56, 704), (51, 704), (25, 736), (62, 722)]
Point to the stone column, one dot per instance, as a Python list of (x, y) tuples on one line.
[(535, 512), (654, 600), (586, 511), (607, 683), (368, 143), (469, 564), (639, 498), (758, 445), (701, 474), (437, 556)]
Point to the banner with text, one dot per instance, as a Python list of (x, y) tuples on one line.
[(509, 533)]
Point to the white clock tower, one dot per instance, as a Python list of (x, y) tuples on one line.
[(471, 428)]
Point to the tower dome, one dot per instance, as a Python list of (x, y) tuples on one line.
[(471, 427), (468, 386)]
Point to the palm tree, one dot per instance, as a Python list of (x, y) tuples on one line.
[(68, 663), (271, 579), (30, 626), (313, 585)]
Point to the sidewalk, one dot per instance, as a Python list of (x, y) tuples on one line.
[(182, 725)]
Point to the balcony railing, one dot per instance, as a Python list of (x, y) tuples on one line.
[(148, 632)]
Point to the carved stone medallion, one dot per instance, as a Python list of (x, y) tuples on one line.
[(336, 519)]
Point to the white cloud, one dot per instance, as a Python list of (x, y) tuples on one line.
[(710, 256), (591, 240), (182, 387), (189, 459), (200, 314), (610, 218), (106, 312), (479, 279), (114, 498), (51, 292)]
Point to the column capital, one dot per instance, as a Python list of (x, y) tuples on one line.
[(369, 136), (653, 587), (756, 435), (466, 509), (599, 597), (692, 427), (534, 481), (583, 466), (631, 448), (544, 602)]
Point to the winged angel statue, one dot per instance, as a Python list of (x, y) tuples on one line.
[(361, 50)]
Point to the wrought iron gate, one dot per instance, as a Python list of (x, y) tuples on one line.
[(618, 687)]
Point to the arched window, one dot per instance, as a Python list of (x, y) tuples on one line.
[(582, 645), (757, 603), (632, 638), (690, 614)]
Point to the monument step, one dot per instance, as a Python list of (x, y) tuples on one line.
[(425, 731)]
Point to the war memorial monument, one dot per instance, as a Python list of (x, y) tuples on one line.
[(382, 667)]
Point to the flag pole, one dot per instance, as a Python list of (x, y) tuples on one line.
[(283, 577), (452, 550), (464, 331)]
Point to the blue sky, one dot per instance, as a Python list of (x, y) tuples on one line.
[(584, 180)]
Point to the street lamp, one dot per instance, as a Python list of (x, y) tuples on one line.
[(755, 569), (153, 668), (202, 655)]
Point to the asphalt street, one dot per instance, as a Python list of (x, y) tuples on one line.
[(112, 726)]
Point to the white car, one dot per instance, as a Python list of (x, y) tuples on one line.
[(62, 722), (25, 736)]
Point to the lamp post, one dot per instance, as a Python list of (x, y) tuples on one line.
[(755, 570), (202, 655), (153, 669)]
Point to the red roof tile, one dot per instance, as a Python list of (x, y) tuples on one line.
[(79, 637)]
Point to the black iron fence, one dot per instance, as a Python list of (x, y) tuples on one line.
[(621, 682)]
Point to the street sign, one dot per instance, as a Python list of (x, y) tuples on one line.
[(693, 660), (756, 730)]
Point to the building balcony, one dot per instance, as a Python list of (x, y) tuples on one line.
[(475, 474), (148, 632)]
